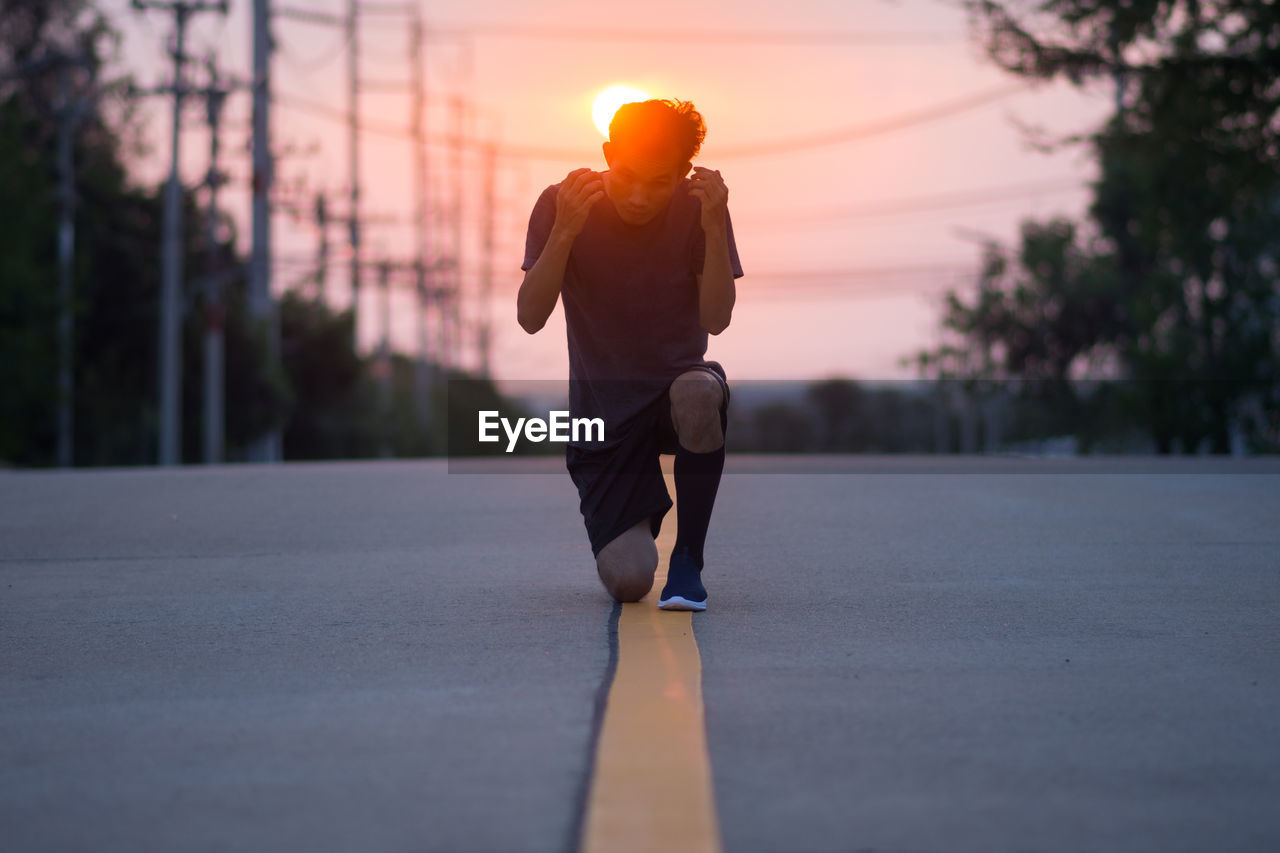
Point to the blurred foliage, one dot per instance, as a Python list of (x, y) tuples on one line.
[(1174, 286), (53, 59), (774, 428), (334, 410), (937, 416), (466, 397), (329, 400), (841, 416)]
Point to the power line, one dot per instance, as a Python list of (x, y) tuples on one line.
[(816, 276), (685, 36), (388, 16), (394, 131), (864, 131), (314, 64), (670, 35), (920, 279), (831, 137), (893, 207), (851, 290)]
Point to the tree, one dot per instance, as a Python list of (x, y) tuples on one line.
[(778, 427), (44, 45), (51, 57), (334, 409), (841, 415), (28, 305), (1175, 289)]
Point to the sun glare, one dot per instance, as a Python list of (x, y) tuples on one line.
[(608, 101)]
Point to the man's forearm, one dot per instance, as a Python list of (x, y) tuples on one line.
[(541, 287), (716, 290)]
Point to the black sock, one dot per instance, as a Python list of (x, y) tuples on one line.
[(697, 478)]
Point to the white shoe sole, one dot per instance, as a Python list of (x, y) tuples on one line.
[(677, 602)]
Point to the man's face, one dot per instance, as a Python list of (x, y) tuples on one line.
[(640, 182)]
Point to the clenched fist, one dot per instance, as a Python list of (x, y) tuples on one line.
[(709, 188), (580, 189)]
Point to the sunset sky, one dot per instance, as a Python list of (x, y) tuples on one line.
[(846, 246)]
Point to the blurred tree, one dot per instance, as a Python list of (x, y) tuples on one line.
[(51, 56), (324, 393), (1176, 292), (842, 422), (782, 427), (336, 408), (116, 272), (409, 435), (333, 412), (28, 298), (1034, 325), (463, 397), (900, 421)]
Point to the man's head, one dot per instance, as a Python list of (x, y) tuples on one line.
[(650, 149)]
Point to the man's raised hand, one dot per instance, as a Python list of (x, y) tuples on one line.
[(709, 188), (580, 189)]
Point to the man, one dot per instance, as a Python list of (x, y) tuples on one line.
[(644, 257)]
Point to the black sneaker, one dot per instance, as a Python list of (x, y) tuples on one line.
[(684, 590)]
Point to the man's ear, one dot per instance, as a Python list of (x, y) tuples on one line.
[(607, 148)]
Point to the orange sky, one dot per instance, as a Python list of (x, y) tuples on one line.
[(822, 232)]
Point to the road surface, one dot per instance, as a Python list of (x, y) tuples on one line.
[(928, 654)]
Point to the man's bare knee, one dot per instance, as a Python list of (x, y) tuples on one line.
[(627, 564), (696, 397), (627, 577)]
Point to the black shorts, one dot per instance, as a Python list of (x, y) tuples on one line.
[(620, 486)]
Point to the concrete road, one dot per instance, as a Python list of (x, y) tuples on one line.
[(897, 655), (997, 662)]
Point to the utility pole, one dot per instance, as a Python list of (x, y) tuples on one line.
[(384, 357), (267, 448), (423, 374), (171, 296), (69, 114), (322, 257), (215, 312), (453, 293), (1117, 73), (462, 117), (486, 261), (353, 163)]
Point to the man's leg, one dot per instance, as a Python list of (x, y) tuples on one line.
[(696, 397), (627, 564)]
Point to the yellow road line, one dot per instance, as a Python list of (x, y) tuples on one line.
[(651, 786)]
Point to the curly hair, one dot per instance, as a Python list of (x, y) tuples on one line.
[(647, 124)]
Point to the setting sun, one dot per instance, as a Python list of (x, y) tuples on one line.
[(608, 101)]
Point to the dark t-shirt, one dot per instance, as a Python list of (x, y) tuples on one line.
[(630, 296)]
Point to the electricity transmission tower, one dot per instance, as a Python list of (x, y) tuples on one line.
[(169, 451)]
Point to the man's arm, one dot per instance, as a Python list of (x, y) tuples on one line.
[(716, 292), (541, 286), (542, 282)]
